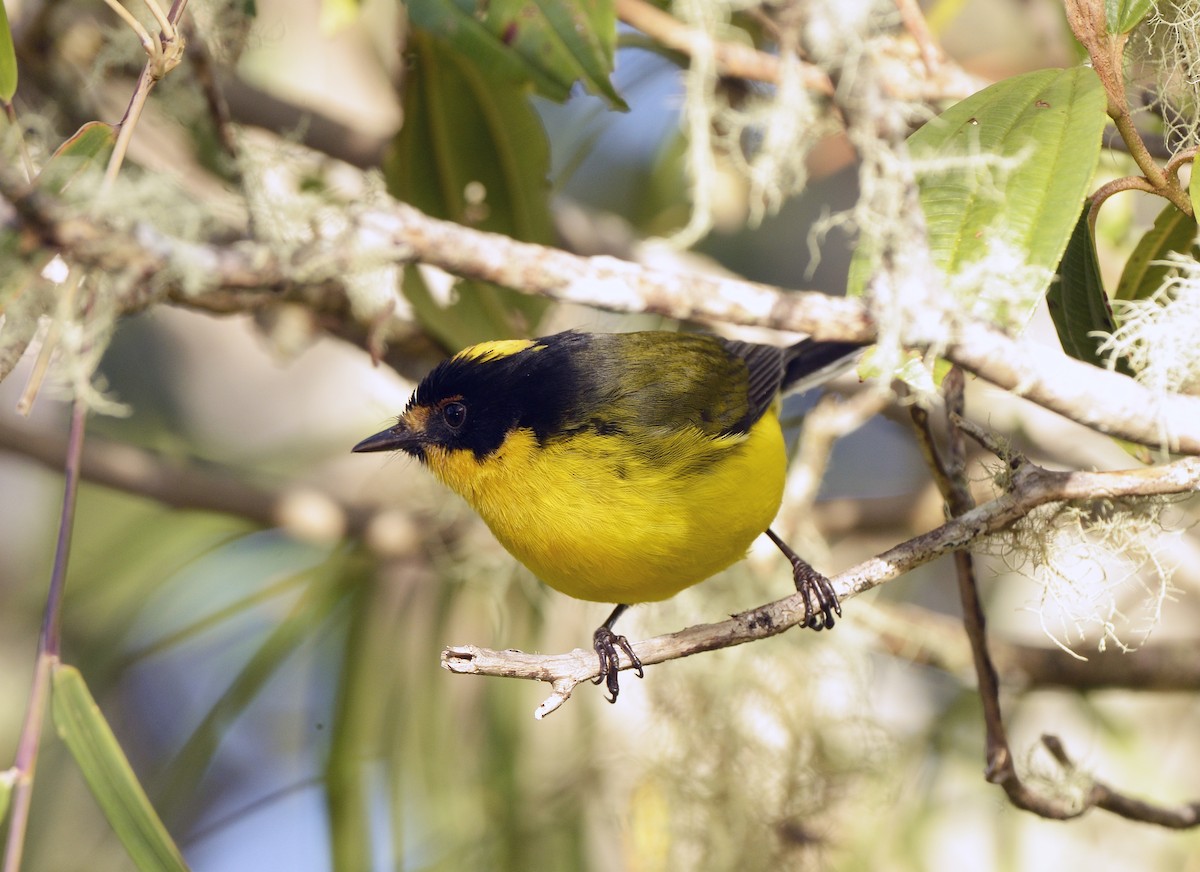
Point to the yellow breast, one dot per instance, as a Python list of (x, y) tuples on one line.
[(611, 518)]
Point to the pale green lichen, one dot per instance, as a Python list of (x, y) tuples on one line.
[(1102, 567)]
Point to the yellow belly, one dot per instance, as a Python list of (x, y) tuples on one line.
[(599, 521)]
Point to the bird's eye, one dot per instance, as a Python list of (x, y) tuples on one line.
[(455, 415)]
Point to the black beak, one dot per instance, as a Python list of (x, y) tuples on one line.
[(398, 438)]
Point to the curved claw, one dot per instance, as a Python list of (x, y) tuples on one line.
[(816, 589), (606, 644)]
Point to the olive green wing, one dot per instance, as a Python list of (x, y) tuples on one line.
[(666, 381)]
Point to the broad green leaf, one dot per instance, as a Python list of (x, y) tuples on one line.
[(1144, 271), (109, 775), (1077, 301), (473, 151), (1011, 164), (566, 41), (1122, 16), (8, 59), (90, 146)]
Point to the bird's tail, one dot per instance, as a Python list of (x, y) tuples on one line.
[(810, 363)]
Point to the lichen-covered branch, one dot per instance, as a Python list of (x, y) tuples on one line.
[(249, 275), (1032, 486)]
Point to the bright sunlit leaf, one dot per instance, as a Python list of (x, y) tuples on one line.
[(1016, 160)]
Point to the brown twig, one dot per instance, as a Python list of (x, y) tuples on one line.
[(732, 59), (1106, 50), (1001, 767), (49, 645), (918, 29)]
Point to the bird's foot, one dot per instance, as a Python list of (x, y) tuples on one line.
[(820, 600), (607, 645)]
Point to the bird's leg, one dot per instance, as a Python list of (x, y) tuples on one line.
[(606, 643), (814, 587)]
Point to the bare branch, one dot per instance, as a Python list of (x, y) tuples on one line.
[(246, 276)]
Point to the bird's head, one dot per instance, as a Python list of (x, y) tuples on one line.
[(470, 403)]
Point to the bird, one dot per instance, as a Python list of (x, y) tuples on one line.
[(619, 467)]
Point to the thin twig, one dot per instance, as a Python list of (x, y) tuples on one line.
[(1001, 766), (49, 646), (918, 29), (732, 59)]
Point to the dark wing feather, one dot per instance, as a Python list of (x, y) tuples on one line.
[(765, 366), (811, 363)]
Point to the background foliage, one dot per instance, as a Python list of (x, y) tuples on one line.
[(258, 615)]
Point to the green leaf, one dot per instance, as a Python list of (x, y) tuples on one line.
[(7, 779), (476, 312), (1045, 127), (89, 147), (473, 151), (1194, 188), (1077, 301), (546, 43), (1122, 16), (8, 59), (109, 775), (1144, 271), (469, 38), (337, 15), (565, 41)]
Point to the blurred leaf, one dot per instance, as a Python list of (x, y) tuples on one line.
[(109, 775), (8, 59), (566, 41), (1077, 301), (1144, 271), (469, 38), (1194, 189), (7, 779), (1122, 16), (473, 151), (477, 312), (90, 146), (545, 43), (1048, 125), (360, 715), (316, 603), (336, 15)]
